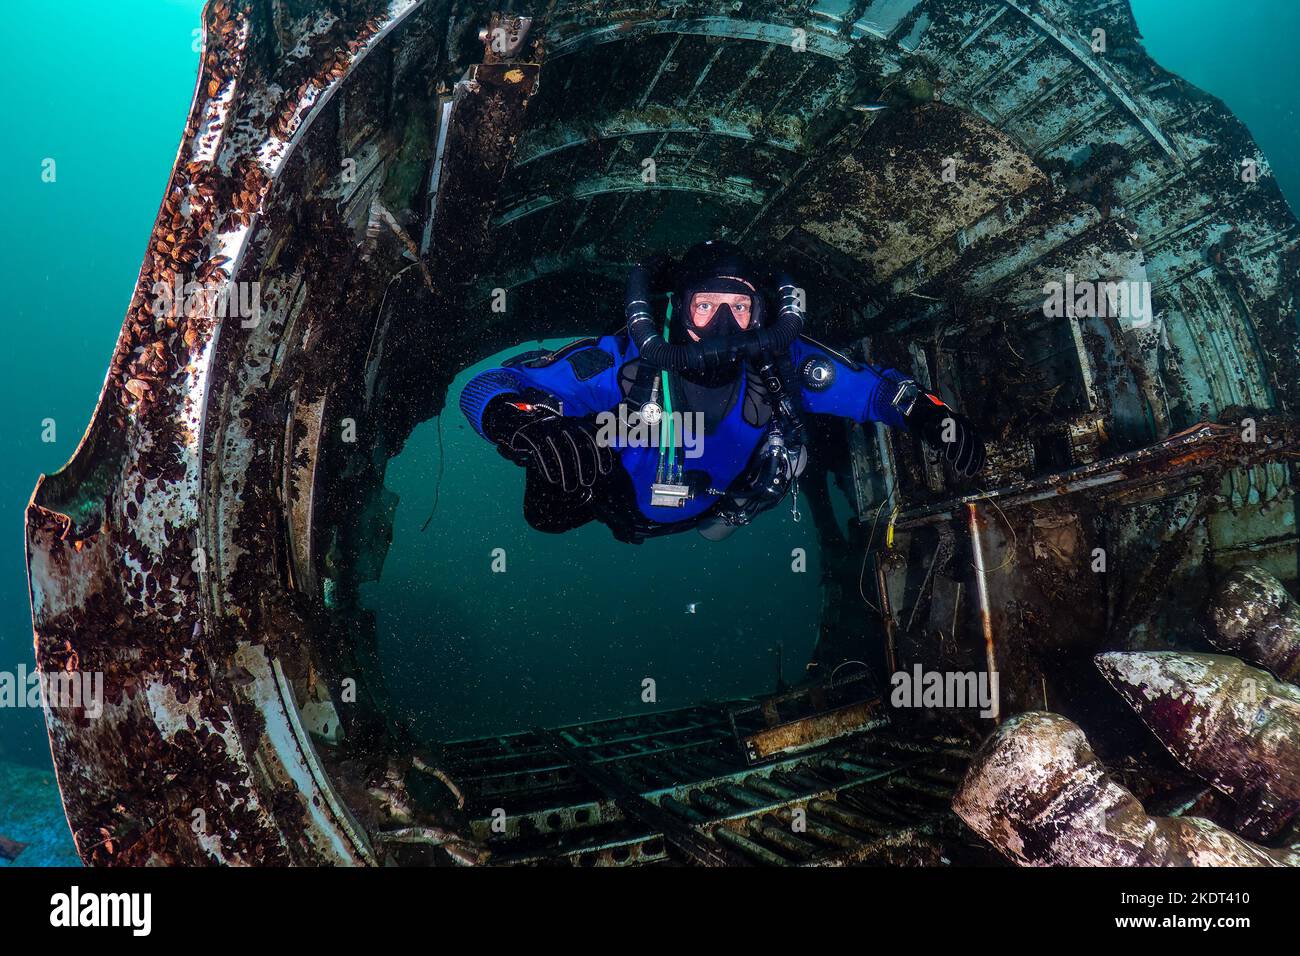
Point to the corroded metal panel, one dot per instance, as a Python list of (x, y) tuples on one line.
[(813, 731), (128, 573)]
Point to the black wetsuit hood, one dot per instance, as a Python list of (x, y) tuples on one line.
[(712, 266)]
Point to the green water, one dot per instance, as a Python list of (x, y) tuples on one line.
[(103, 90), (1244, 52), (576, 622)]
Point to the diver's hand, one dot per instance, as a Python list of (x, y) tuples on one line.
[(950, 432), (528, 430)]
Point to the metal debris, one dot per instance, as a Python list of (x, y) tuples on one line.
[(1254, 616), (1038, 794), (814, 731), (1234, 726)]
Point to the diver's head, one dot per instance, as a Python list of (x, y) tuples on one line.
[(717, 293), (720, 311)]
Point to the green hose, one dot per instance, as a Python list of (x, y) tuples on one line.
[(666, 436)]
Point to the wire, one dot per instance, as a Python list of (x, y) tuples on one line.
[(1006, 338), (920, 596), (831, 681), (1015, 541), (437, 488), (866, 551), (986, 496)]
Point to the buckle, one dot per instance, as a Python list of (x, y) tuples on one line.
[(665, 495), (905, 398)]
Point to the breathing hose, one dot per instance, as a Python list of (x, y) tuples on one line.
[(702, 356)]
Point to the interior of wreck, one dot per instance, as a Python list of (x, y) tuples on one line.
[(416, 186)]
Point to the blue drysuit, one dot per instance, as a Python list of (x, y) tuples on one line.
[(585, 377)]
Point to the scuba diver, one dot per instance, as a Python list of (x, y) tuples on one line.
[(693, 421)]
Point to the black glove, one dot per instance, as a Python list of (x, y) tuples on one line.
[(528, 429), (953, 433)]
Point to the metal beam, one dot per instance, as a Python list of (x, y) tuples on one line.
[(698, 848), (1101, 73), (732, 189), (784, 132), (818, 41), (1202, 448)]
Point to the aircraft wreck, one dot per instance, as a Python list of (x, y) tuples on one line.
[(359, 180)]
